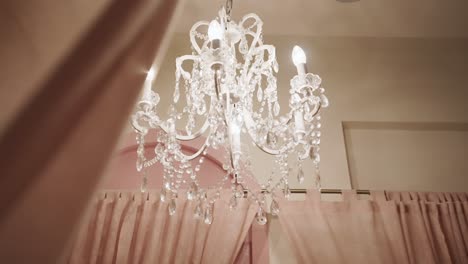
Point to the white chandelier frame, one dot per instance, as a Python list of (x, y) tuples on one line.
[(230, 69)]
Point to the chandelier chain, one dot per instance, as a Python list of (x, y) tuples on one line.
[(228, 9)]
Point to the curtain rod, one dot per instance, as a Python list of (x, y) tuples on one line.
[(327, 191)]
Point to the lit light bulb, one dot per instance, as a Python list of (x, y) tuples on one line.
[(151, 74), (298, 56), (215, 31), (234, 134)]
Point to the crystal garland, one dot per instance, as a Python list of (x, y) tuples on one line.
[(231, 69)]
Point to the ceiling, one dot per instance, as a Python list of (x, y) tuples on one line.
[(364, 18)]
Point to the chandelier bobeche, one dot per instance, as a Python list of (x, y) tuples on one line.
[(232, 86)]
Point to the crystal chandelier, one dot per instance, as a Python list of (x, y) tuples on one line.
[(229, 82)]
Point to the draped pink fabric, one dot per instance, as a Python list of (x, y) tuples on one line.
[(56, 145), (137, 228), (391, 227)]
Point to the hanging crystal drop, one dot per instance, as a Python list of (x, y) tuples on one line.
[(163, 195), (192, 191), (300, 175), (286, 191), (144, 184), (198, 212), (208, 219), (261, 217), (318, 184), (275, 66), (233, 203), (271, 139), (274, 207), (167, 185), (313, 153), (259, 94), (243, 47), (172, 207), (239, 191), (176, 94), (276, 108), (324, 100), (139, 164)]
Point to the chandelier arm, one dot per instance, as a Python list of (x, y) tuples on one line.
[(144, 130), (180, 60), (188, 137), (136, 126), (257, 33), (196, 154), (194, 33), (195, 135)]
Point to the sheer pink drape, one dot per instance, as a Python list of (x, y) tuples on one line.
[(391, 227), (137, 228), (67, 119)]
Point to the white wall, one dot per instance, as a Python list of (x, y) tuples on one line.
[(407, 82)]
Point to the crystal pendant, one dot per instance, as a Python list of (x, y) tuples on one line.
[(192, 192), (239, 191), (139, 164), (208, 219), (276, 108), (198, 212), (286, 191), (243, 47), (324, 100), (271, 139), (176, 95), (233, 202), (144, 184), (274, 207), (300, 175), (163, 195), (172, 207), (261, 217), (259, 94), (314, 153), (317, 180)]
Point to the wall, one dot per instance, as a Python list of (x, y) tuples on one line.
[(36, 35), (392, 101)]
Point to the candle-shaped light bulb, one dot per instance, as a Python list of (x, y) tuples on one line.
[(299, 59), (215, 31), (150, 75), (234, 134), (298, 56), (148, 83)]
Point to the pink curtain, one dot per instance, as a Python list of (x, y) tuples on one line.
[(137, 228), (391, 227), (66, 121)]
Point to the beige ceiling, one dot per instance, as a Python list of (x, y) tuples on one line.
[(369, 18)]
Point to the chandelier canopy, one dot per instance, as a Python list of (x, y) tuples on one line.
[(229, 82)]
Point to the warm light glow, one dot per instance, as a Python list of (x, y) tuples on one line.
[(151, 74), (298, 56), (215, 31), (234, 128), (229, 83)]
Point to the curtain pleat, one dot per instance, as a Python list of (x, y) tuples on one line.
[(391, 227), (137, 228), (56, 147)]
